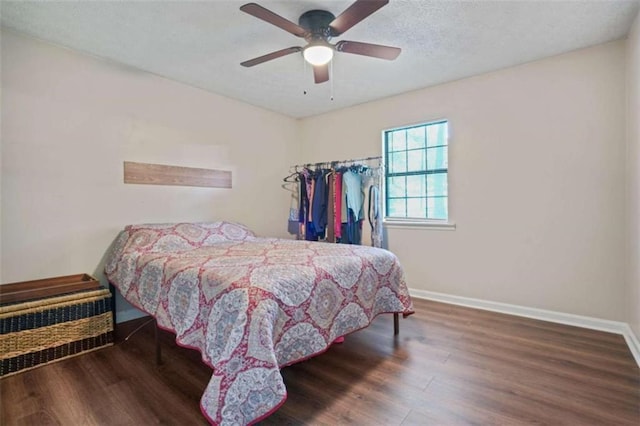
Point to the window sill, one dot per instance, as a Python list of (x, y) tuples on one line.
[(420, 224)]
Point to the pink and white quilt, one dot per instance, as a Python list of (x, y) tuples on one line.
[(252, 305)]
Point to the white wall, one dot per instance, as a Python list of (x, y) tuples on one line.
[(537, 181), (68, 123), (633, 177)]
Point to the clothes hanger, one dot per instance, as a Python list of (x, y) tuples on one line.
[(292, 178)]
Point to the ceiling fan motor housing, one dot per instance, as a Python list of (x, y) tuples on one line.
[(317, 23)]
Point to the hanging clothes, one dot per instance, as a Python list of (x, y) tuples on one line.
[(371, 184), (331, 234), (353, 183), (310, 233), (319, 207), (366, 228), (293, 223), (337, 206), (335, 203), (344, 211), (375, 218), (303, 207)]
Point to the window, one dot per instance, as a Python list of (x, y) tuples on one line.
[(416, 171)]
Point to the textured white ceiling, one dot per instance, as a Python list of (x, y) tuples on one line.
[(203, 43)]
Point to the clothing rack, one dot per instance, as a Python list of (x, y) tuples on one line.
[(336, 163), (322, 215)]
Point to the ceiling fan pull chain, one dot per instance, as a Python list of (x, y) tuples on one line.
[(304, 79), (331, 79)]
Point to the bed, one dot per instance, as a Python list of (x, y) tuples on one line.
[(252, 305)]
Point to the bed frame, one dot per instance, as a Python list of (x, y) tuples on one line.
[(396, 331)]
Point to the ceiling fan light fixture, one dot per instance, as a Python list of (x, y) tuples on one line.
[(318, 54)]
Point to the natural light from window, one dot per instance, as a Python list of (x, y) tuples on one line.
[(416, 172)]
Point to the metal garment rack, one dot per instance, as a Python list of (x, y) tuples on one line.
[(329, 164)]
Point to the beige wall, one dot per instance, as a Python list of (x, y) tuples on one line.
[(537, 182), (633, 178), (68, 123)]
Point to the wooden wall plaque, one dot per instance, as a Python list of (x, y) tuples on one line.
[(160, 174)]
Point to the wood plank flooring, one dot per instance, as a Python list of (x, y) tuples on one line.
[(450, 365)]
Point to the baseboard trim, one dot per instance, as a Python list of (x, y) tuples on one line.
[(632, 342), (616, 327)]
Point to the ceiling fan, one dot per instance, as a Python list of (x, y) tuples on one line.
[(317, 27)]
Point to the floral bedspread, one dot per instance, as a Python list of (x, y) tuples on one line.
[(252, 305)]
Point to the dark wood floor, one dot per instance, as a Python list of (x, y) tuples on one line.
[(449, 365)]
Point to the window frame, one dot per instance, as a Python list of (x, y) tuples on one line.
[(412, 222)]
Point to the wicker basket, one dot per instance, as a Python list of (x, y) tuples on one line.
[(37, 332)]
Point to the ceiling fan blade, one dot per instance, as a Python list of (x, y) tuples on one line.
[(354, 14), (321, 73), (270, 17), (368, 49), (270, 56)]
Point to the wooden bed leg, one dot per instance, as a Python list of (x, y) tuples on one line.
[(158, 351), (396, 323)]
